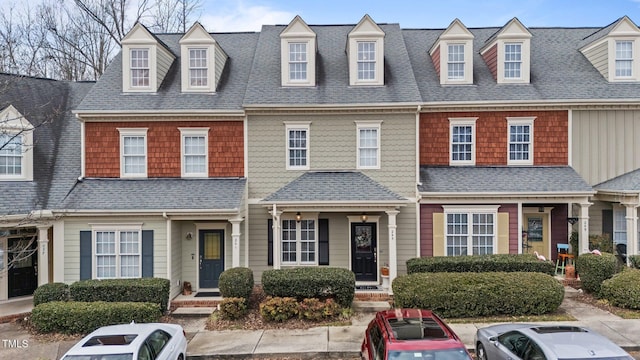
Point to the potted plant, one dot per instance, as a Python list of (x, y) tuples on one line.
[(186, 288), (384, 270)]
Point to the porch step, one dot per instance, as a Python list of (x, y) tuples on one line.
[(192, 311), (371, 306)]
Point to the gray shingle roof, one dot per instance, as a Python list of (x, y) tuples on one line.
[(332, 85), (625, 182), (501, 179), (333, 186), (559, 71), (215, 194), (43, 102), (107, 93)]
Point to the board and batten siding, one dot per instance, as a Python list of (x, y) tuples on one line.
[(332, 146), (605, 143), (73, 226)]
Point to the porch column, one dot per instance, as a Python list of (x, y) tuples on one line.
[(276, 236), (393, 260), (235, 239), (632, 229), (43, 255), (583, 236)]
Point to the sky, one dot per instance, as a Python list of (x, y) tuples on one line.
[(250, 15)]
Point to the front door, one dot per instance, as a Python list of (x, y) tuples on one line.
[(22, 256), (211, 257), (536, 233), (363, 251)]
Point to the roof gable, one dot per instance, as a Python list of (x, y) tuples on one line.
[(197, 35), (139, 34), (297, 28), (366, 27), (11, 118)]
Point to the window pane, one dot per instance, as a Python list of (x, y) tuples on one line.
[(11, 154), (519, 142), (307, 241), (134, 154), (366, 60), (195, 154), (455, 70), (461, 143), (298, 61), (139, 67), (624, 58), (483, 234), (297, 147), (368, 147), (289, 241), (512, 61)]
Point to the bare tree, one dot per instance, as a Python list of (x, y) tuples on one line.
[(174, 15)]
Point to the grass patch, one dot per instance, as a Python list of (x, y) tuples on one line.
[(555, 316)]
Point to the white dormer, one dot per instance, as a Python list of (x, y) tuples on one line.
[(202, 60), (365, 50), (452, 55), (298, 54), (16, 137), (616, 55), (145, 61), (508, 54)]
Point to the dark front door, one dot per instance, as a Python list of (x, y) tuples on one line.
[(211, 257), (363, 251), (23, 261)]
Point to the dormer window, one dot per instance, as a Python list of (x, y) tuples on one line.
[(365, 50), (11, 155), (512, 61), (140, 68), (202, 60), (198, 68), (508, 54), (16, 154), (452, 55), (298, 54), (624, 59)]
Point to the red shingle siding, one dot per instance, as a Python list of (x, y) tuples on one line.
[(491, 59), (435, 57), (226, 147), (550, 131)]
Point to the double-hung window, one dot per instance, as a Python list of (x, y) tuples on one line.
[(520, 151), (198, 69), (455, 62), (299, 243), (11, 155), (470, 231), (133, 151), (624, 59), (619, 226), (512, 60), (139, 67), (297, 61), (462, 140), (195, 150), (366, 60), (368, 151), (297, 146), (118, 253)]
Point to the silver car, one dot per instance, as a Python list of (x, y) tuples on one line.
[(542, 342), (152, 341)]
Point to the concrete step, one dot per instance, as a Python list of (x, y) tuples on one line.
[(371, 306), (193, 311)]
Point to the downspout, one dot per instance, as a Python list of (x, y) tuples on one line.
[(418, 183)]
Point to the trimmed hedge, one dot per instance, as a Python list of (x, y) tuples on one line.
[(45, 293), (236, 283), (73, 317), (594, 269), (480, 263), (623, 289), (311, 282), (479, 294), (153, 290)]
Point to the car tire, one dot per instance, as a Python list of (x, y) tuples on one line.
[(481, 354), (180, 357)]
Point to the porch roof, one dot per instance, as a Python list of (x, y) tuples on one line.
[(517, 180), (334, 186), (628, 182), (213, 194)]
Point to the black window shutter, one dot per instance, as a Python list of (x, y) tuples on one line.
[(607, 222), (323, 241), (270, 242), (85, 255), (147, 253)]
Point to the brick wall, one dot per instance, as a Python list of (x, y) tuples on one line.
[(550, 132), (226, 147)]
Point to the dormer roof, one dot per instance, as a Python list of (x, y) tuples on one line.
[(298, 48), (297, 28), (211, 60), (455, 31), (513, 29)]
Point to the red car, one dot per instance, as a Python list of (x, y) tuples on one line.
[(411, 334)]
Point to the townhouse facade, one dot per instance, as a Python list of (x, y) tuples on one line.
[(357, 146)]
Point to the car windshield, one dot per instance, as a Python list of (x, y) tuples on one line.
[(448, 354), (100, 357)]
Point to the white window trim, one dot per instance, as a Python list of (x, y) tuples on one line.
[(124, 132), (305, 125), (360, 125), (453, 122), (471, 210), (468, 63), (311, 72), (635, 67), (194, 132), (185, 51), (619, 211), (305, 216), (378, 79), (126, 74), (525, 61), (520, 121), (117, 229), (12, 122)]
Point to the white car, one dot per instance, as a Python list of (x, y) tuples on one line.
[(152, 341)]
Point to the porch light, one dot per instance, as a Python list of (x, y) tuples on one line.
[(572, 220), (298, 216), (364, 217), (189, 236)]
